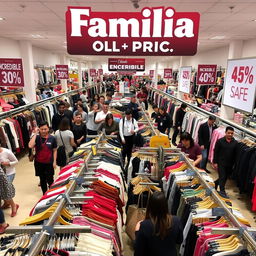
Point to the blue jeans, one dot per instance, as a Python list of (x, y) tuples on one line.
[(204, 161), (11, 177)]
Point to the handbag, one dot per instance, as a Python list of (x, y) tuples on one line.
[(61, 154), (134, 215)]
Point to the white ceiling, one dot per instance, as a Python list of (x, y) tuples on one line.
[(24, 18)]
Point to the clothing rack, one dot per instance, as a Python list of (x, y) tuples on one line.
[(36, 248), (202, 111), (247, 237), (18, 110)]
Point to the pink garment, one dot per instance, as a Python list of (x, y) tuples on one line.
[(217, 134), (75, 164)]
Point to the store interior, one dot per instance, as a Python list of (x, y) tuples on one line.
[(35, 32)]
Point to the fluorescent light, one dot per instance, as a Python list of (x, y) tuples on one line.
[(217, 37), (254, 20), (1, 18), (37, 36)]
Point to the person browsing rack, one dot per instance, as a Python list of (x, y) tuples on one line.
[(110, 125), (163, 121)]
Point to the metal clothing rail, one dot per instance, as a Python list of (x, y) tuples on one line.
[(213, 193), (36, 248), (202, 111), (36, 104)]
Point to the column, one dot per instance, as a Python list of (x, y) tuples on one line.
[(80, 76), (89, 77), (234, 52), (28, 69), (64, 82)]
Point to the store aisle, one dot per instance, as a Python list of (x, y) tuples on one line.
[(27, 191)]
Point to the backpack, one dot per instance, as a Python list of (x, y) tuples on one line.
[(61, 154)]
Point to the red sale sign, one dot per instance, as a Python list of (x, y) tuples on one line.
[(100, 71), (167, 73), (11, 73), (115, 64), (93, 72), (240, 84), (151, 73), (206, 74), (62, 72), (154, 31)]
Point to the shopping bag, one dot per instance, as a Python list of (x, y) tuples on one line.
[(134, 215)]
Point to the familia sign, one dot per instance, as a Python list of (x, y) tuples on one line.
[(153, 31)]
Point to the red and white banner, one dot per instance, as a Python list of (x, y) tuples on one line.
[(167, 73), (151, 73), (240, 84), (62, 72), (93, 72), (156, 31), (206, 74), (116, 64), (11, 73), (100, 71), (184, 79)]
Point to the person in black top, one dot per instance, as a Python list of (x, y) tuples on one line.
[(78, 103), (204, 139), (163, 121), (56, 119), (79, 129), (155, 113), (134, 108), (159, 233), (224, 158), (178, 122)]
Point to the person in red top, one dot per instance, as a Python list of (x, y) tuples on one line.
[(46, 154), (188, 146), (144, 95)]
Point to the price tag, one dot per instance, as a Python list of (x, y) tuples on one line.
[(240, 84), (206, 74), (167, 73), (62, 72), (184, 79), (11, 73)]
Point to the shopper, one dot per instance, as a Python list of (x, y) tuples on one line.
[(110, 126), (109, 98), (82, 112), (101, 116), (65, 137), (101, 101), (84, 99), (3, 224), (155, 113), (224, 158), (68, 113), (191, 148), (178, 122), (204, 139), (143, 94), (45, 157), (7, 193), (134, 107), (95, 100), (163, 121), (160, 232), (79, 129), (79, 103), (92, 127), (56, 119), (127, 129), (8, 161)]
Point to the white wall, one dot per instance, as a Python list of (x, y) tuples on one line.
[(44, 57), (249, 48), (9, 48)]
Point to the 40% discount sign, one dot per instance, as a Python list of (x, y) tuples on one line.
[(11, 73), (240, 84)]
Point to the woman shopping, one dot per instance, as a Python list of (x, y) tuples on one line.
[(110, 125), (160, 232), (163, 121), (92, 127), (82, 112), (45, 156)]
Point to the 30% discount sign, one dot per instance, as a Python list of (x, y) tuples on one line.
[(11, 73), (240, 84)]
